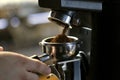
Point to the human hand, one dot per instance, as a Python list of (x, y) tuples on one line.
[(14, 66)]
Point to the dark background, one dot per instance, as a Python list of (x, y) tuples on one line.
[(109, 39)]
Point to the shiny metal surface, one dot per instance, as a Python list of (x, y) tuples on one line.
[(60, 51), (61, 18)]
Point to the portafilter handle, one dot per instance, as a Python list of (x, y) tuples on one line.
[(51, 62), (45, 58)]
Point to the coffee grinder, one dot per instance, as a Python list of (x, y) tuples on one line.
[(84, 17)]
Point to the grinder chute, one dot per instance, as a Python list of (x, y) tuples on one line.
[(62, 18)]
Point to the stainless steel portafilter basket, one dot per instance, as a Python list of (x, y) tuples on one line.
[(60, 51)]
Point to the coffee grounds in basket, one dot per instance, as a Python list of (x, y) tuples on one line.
[(61, 38)]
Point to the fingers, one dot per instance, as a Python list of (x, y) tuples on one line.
[(30, 76), (21, 64), (31, 65), (36, 66), (1, 48)]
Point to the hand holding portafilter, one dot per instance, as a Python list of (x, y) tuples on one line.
[(54, 75)]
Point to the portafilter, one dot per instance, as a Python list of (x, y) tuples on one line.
[(60, 51)]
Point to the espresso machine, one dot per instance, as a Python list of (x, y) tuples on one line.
[(84, 19)]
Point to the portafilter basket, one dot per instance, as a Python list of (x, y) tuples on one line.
[(61, 51)]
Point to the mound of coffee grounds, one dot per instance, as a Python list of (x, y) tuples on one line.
[(61, 38)]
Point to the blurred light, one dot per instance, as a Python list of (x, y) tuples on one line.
[(38, 18), (3, 23), (4, 2), (15, 22)]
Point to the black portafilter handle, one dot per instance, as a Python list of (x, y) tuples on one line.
[(43, 57), (50, 61)]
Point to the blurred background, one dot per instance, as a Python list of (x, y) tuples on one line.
[(23, 24)]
